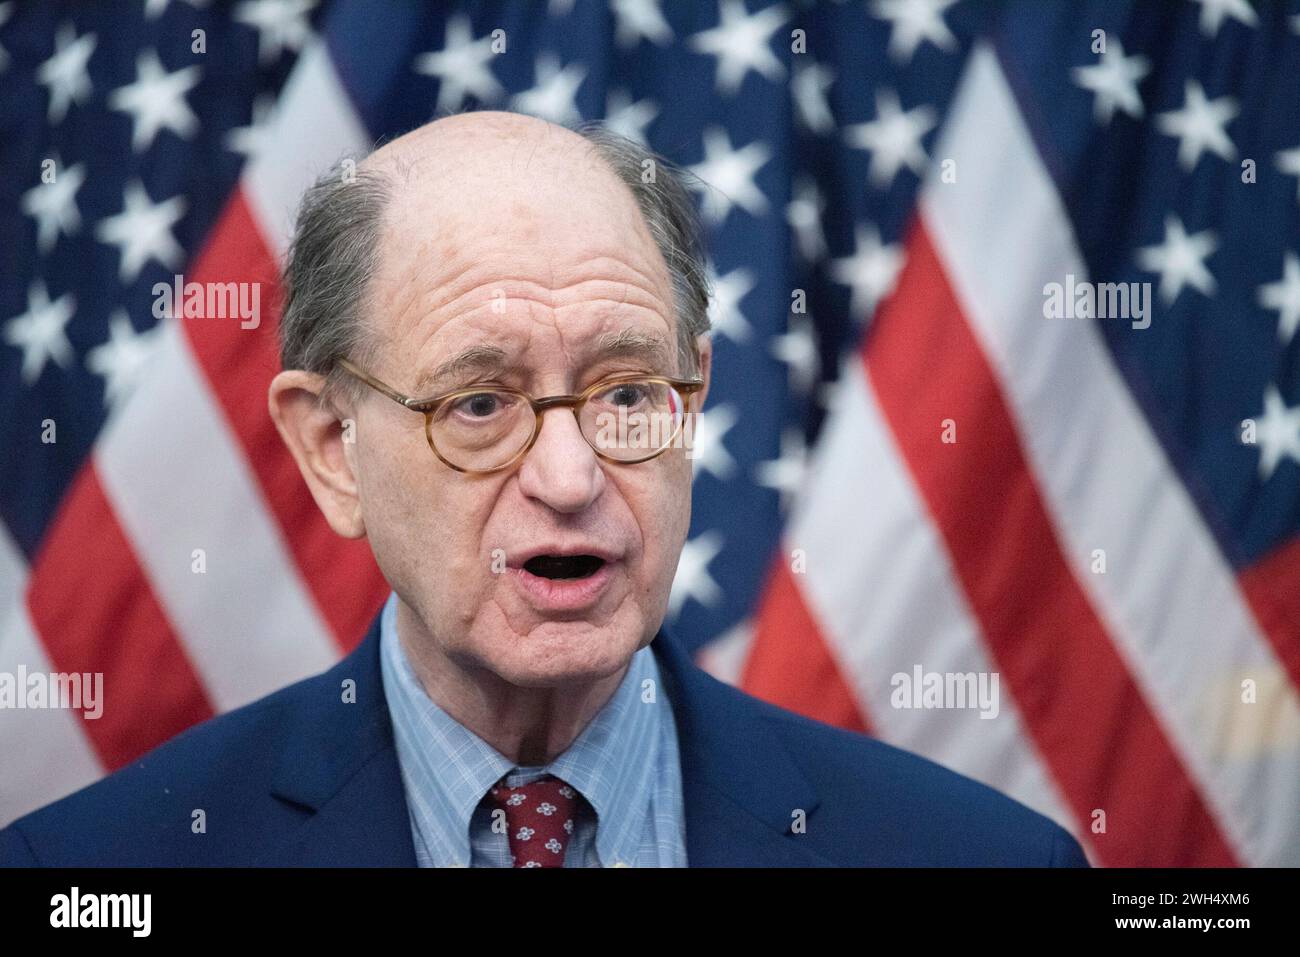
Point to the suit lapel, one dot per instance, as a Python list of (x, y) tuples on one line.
[(339, 762), (740, 787)]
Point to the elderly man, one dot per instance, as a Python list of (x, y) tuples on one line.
[(494, 341)]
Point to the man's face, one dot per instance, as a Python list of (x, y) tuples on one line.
[(541, 253)]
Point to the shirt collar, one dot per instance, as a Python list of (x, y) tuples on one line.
[(447, 768)]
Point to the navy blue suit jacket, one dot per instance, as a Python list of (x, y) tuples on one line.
[(302, 778)]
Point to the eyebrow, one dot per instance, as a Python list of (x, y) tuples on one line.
[(480, 360)]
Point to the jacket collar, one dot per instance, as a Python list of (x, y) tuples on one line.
[(740, 786)]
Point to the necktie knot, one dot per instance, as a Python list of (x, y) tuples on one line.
[(540, 819)]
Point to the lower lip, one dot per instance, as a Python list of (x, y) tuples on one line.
[(563, 594)]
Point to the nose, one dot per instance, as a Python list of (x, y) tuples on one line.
[(561, 470)]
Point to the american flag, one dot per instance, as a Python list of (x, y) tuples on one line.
[(908, 464)]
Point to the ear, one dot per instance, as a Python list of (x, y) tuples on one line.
[(322, 444), (704, 345)]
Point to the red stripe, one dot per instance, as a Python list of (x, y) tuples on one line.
[(1272, 586), (1081, 706), (239, 364), (95, 612), (789, 662)]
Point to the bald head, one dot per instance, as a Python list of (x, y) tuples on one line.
[(474, 191)]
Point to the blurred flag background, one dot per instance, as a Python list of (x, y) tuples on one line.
[(923, 455)]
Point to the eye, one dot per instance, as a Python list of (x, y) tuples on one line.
[(481, 405), (625, 394)]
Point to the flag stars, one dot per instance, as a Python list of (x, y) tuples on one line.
[(797, 348), (1214, 12), (65, 72), (741, 44), (693, 579), (893, 137), (870, 272), (156, 100), (120, 360), (804, 214), (785, 473), (1277, 433), (1288, 161), (728, 176), (142, 231), (40, 332), (1284, 297), (634, 19), (1180, 260), (627, 118), (461, 66), (553, 96), (709, 450), (250, 140), (913, 22), (1199, 125), (725, 316), (1114, 81), (280, 24), (809, 87), (54, 205)]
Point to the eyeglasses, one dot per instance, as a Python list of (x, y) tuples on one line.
[(625, 418)]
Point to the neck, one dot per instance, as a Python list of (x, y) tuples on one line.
[(529, 726)]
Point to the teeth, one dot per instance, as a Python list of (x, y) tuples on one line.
[(564, 566)]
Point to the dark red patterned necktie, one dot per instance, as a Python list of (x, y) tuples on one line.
[(539, 819)]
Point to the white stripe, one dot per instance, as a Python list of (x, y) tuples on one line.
[(45, 753), (178, 482), (880, 583), (313, 127), (1167, 597)]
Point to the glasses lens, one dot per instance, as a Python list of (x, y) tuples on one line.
[(481, 429), (633, 420)]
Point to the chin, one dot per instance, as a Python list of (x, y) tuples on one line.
[(564, 652)]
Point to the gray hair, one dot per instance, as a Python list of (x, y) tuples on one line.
[(334, 254)]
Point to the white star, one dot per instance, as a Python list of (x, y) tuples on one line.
[(280, 24), (911, 22), (461, 66), (797, 348), (727, 176), (628, 118), (809, 88), (1213, 13), (1199, 125), (1284, 296), (693, 579), (6, 11), (1295, 24), (1114, 81), (65, 72), (39, 332), (804, 214), (871, 271), (552, 97), (709, 449), (154, 8), (1180, 260), (157, 99), (1288, 161), (725, 316), (635, 19), (1277, 432), (142, 231), (120, 360), (250, 140), (785, 474), (740, 42), (893, 137), (54, 206), (558, 8)]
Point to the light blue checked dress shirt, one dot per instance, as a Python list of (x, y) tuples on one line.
[(625, 763)]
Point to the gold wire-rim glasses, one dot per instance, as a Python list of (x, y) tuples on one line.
[(687, 388)]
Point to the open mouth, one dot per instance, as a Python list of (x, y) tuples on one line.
[(564, 566)]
